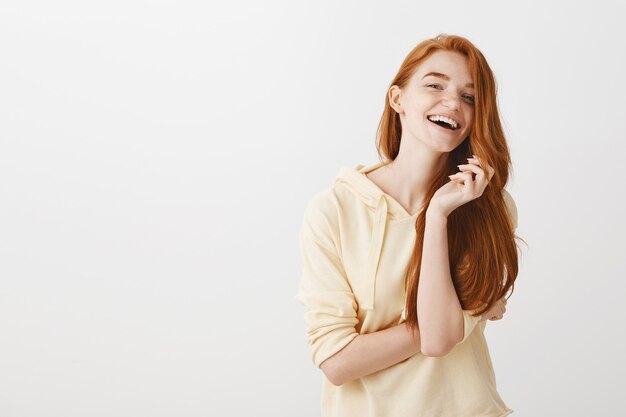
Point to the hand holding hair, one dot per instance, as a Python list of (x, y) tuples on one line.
[(465, 186)]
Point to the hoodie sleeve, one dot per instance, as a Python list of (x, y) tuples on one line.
[(469, 321), (511, 207), (324, 289), (469, 324)]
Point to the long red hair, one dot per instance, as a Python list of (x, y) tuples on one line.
[(481, 241)]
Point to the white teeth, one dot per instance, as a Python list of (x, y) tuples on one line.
[(437, 118)]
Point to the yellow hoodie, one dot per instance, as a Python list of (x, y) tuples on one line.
[(356, 242)]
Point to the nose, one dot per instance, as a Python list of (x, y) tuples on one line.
[(451, 101)]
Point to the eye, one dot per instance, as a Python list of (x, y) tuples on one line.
[(437, 86), (469, 99)]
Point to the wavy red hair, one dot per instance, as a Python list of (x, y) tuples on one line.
[(481, 241)]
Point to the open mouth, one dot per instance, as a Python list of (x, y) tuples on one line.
[(444, 122)]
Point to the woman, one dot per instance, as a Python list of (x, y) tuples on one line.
[(405, 260)]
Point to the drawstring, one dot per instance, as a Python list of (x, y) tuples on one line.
[(378, 235)]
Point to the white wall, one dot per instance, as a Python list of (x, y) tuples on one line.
[(156, 158)]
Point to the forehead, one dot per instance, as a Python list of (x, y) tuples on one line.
[(453, 64)]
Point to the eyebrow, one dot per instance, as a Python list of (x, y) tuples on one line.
[(445, 77)]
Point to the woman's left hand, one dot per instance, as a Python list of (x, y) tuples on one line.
[(496, 312), (465, 186)]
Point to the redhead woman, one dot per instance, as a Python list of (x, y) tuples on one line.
[(406, 260)]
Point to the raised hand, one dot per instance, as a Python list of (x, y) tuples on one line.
[(465, 186), (496, 312)]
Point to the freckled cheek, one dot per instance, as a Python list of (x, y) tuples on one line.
[(469, 120)]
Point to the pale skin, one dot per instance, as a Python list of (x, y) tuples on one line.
[(423, 148)]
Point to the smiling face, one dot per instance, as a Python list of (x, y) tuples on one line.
[(436, 106)]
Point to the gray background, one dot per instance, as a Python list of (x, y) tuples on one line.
[(156, 158)]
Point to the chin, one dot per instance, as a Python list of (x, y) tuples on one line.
[(443, 147), (437, 143)]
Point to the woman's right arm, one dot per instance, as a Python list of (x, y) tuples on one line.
[(331, 308), (368, 353)]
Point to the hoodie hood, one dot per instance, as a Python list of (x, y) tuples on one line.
[(384, 208)]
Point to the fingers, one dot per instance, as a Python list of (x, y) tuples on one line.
[(465, 177), (474, 167), (480, 174), (497, 312), (477, 161), (461, 177), (497, 316)]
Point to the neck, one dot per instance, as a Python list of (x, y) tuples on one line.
[(413, 169)]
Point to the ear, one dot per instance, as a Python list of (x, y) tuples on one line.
[(394, 99)]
